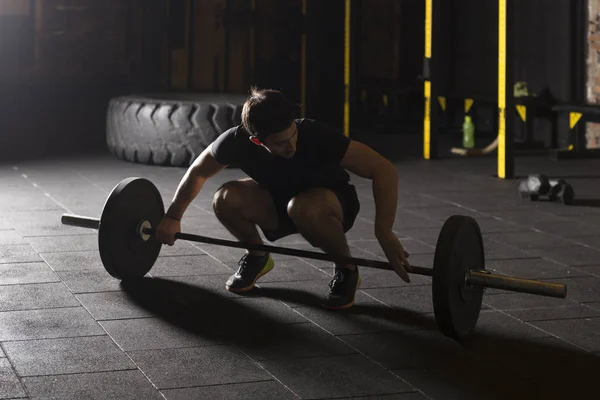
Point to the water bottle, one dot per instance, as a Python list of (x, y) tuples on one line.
[(468, 133)]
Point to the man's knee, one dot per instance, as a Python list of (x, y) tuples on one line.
[(314, 207), (229, 196)]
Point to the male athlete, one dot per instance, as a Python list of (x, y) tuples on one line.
[(297, 183)]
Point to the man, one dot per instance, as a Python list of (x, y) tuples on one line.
[(297, 183)]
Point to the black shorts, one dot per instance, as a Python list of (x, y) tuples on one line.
[(347, 197)]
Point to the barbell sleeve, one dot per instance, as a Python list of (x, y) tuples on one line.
[(80, 221), (530, 286)]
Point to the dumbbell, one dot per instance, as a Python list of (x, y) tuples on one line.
[(537, 185)]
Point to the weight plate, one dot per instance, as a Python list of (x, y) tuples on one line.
[(459, 249), (123, 251)]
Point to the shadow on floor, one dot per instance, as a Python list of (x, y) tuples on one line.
[(486, 366), (586, 203)]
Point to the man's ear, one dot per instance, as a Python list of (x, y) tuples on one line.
[(255, 140)]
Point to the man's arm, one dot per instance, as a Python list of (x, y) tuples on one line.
[(367, 163), (204, 167)]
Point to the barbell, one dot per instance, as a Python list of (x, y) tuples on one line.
[(128, 250)]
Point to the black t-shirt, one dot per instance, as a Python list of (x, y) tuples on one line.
[(319, 151)]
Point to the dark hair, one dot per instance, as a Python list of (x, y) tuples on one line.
[(267, 111)]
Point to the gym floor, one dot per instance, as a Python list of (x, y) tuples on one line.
[(68, 330)]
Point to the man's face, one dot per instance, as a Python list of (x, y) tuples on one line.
[(283, 144)]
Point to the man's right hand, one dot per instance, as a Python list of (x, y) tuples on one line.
[(166, 230)]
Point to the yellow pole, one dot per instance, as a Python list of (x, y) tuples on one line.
[(427, 88), (502, 88), (347, 11)]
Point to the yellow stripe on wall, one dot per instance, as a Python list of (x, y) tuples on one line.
[(427, 88)]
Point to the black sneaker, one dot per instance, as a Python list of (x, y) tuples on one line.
[(251, 268), (343, 287)]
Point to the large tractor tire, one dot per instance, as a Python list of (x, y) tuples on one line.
[(169, 129)]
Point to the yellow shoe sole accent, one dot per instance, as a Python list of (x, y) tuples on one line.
[(268, 267)]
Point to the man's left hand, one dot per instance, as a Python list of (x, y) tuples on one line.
[(395, 254)]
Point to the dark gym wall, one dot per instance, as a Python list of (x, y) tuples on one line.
[(60, 65), (470, 32), (545, 43)]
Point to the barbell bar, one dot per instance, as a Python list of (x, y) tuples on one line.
[(128, 249), (473, 278)]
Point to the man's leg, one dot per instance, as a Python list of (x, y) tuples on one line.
[(240, 206), (319, 217)]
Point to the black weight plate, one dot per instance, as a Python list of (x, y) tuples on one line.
[(123, 252), (459, 249)]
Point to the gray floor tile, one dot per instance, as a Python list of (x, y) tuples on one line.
[(583, 332), (494, 323), (376, 278), (36, 296), (415, 299), (10, 386), (567, 229), (74, 260), (365, 318), (11, 237), (424, 235), (64, 243), (111, 305), (26, 200), (89, 281), (525, 216), (272, 309), (5, 224), (335, 376), (202, 264), (292, 341), (42, 223), (411, 246), (444, 212), (47, 324), (532, 268), (593, 270), (569, 255), (18, 253), (591, 241), (265, 390), (156, 333), (494, 225), (213, 284), (112, 385), (529, 239), (499, 251), (554, 313), (406, 349), (198, 366), (67, 356), (25, 273)]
